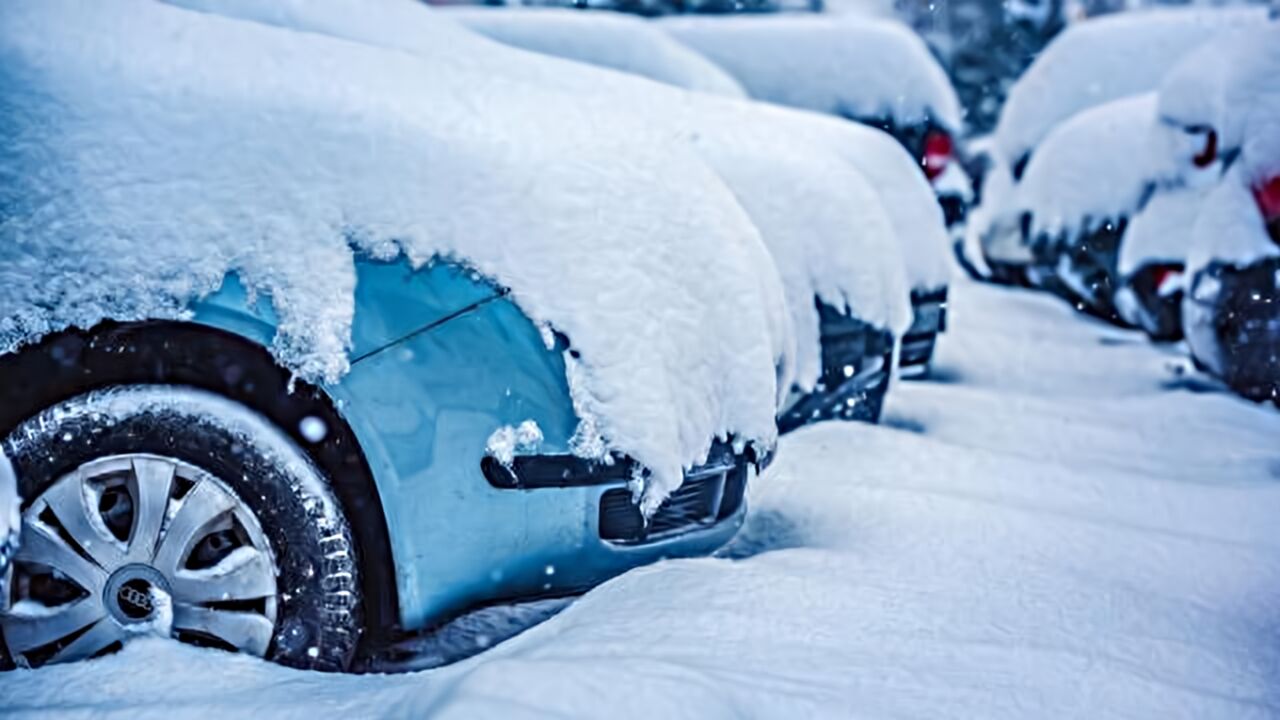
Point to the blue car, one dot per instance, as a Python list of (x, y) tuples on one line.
[(177, 479)]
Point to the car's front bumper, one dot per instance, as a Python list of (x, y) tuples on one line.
[(929, 317), (857, 360), (1231, 317), (10, 522)]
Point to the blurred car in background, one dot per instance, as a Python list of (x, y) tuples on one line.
[(871, 71), (1090, 63), (1223, 103)]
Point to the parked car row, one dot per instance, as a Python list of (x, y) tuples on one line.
[(284, 327), (1145, 194)]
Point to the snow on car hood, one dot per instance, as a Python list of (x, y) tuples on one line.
[(1094, 168), (853, 66), (825, 229), (1105, 59), (603, 39), (1162, 231), (149, 150)]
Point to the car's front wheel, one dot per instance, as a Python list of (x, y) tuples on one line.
[(173, 511)]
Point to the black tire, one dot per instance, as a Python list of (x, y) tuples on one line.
[(319, 615)]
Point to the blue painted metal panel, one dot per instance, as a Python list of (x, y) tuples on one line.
[(440, 361)]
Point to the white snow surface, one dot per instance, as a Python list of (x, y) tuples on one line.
[(1094, 168), (817, 187), (136, 171), (1162, 231), (837, 64), (1105, 59), (610, 40), (1072, 525)]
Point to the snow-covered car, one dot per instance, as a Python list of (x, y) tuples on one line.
[(608, 40), (1228, 101), (868, 70), (274, 376), (822, 220), (856, 68), (1086, 181), (1090, 63), (10, 521)]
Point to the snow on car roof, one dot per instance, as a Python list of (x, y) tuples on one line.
[(859, 67), (1094, 168), (149, 150), (846, 257), (603, 39), (1230, 85), (1105, 59)]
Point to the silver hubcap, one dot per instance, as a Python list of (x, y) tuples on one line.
[(138, 545)]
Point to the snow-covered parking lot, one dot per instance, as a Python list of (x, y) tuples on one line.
[(1065, 522)]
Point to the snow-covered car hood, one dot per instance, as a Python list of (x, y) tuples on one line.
[(603, 39), (150, 150), (852, 66), (1105, 59), (793, 171), (1095, 168)]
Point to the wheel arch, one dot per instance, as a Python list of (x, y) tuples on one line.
[(223, 351)]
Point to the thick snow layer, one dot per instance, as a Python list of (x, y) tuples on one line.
[(1227, 84), (1094, 168), (843, 65), (607, 40), (1105, 59), (1066, 528), (1229, 228), (136, 171), (1162, 231), (1231, 86), (817, 187)]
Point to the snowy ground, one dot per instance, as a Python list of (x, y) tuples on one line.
[(1063, 524)]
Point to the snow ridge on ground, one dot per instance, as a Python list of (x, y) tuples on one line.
[(1067, 524)]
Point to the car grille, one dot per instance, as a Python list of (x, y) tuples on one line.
[(929, 319), (708, 495)]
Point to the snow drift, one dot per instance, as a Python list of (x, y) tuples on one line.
[(609, 40), (852, 66), (135, 172)]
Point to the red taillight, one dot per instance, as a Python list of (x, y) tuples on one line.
[(1166, 278), (938, 150), (1267, 195)]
